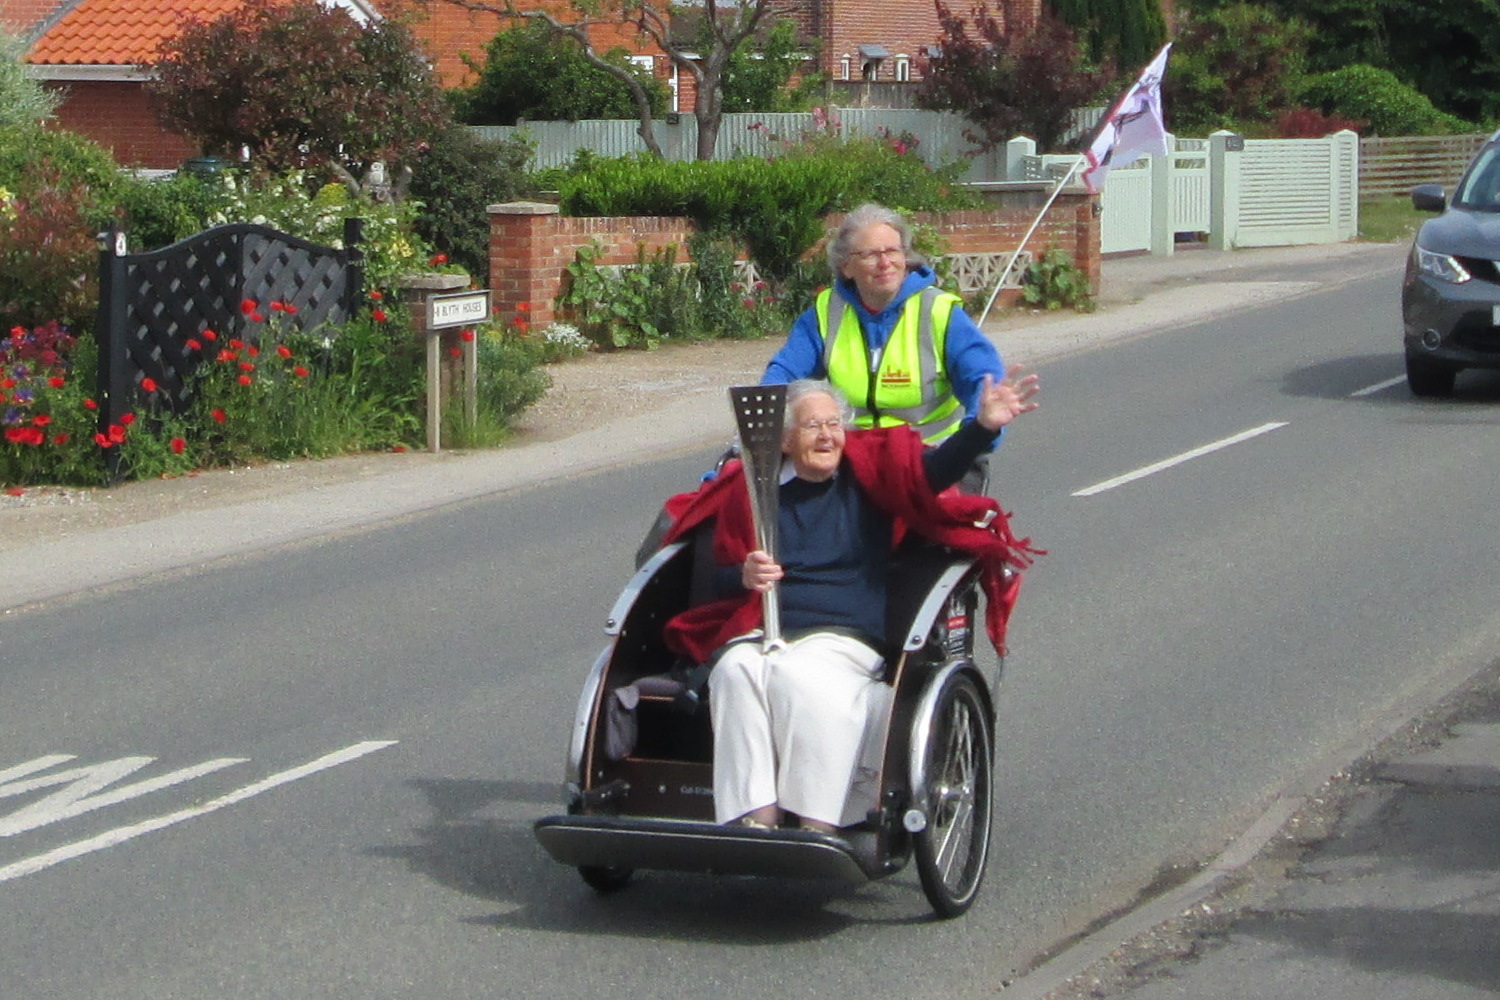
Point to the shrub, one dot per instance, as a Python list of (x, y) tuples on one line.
[(159, 213), (1053, 281), (48, 256), (1378, 97), (637, 307), (23, 101), (1306, 123), (455, 181)]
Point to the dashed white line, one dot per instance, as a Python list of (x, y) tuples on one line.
[(1176, 460), (40, 862), (1371, 390)]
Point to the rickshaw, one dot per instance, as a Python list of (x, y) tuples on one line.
[(639, 786)]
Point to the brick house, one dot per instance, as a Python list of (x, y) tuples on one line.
[(95, 51), (876, 41)]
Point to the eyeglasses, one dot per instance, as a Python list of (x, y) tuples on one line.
[(832, 425), (871, 256)]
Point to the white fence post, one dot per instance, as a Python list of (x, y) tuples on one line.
[(1163, 205), (1016, 151), (1224, 151)]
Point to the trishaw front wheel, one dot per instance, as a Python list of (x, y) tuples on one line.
[(953, 847)]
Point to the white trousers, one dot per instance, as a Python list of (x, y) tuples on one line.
[(801, 727)]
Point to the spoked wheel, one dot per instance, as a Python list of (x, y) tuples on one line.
[(605, 878), (952, 849)]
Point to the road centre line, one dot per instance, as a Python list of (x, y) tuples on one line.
[(110, 838), (1371, 390), (1176, 460)]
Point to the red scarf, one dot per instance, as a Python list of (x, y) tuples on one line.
[(887, 464)]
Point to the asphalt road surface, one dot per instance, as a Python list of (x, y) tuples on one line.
[(312, 772)]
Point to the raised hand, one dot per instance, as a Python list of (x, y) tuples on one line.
[(1003, 401)]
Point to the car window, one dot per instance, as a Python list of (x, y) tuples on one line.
[(1480, 188)]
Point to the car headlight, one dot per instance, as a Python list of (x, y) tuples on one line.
[(1440, 266)]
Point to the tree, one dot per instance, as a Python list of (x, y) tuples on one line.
[(758, 78), (534, 73), (728, 24), (23, 101), (1237, 64), (300, 85), (1015, 72), (1128, 31)]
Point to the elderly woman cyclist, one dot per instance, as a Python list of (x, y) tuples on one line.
[(899, 348)]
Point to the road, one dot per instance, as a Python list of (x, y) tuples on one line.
[(312, 772)]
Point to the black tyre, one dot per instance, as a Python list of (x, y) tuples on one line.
[(952, 849), (1429, 378), (606, 879)]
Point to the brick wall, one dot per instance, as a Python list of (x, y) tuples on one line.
[(116, 115), (20, 16), (532, 244)]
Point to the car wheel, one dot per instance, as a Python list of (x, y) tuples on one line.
[(1429, 378)]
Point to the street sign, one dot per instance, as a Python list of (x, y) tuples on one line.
[(458, 309)]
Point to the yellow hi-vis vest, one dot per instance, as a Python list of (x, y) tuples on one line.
[(907, 382)]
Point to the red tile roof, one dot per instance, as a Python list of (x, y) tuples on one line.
[(119, 32)]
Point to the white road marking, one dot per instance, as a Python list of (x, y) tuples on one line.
[(1371, 390), (1175, 460), (41, 862), (82, 793), (33, 766)]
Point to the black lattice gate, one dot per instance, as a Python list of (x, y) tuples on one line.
[(151, 304)]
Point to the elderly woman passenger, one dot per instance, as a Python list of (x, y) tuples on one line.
[(792, 725)]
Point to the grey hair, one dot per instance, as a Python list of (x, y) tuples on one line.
[(866, 215), (802, 388)]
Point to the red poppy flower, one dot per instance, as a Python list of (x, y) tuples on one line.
[(256, 317), (456, 352), (89, 404), (13, 434), (438, 258), (398, 448), (523, 307), (283, 350), (148, 383), (2, 397), (247, 366), (219, 416), (300, 372), (117, 432), (103, 441), (57, 381), (7, 383), (17, 332), (247, 306), (277, 307), (253, 351), (244, 380), (193, 345), (42, 419), (378, 315), (237, 343), (466, 335), (521, 324), (14, 491), (376, 296), (289, 309), (60, 438), (226, 356), (210, 335), (178, 445), (128, 419)]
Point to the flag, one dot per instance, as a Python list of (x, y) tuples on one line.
[(1133, 128)]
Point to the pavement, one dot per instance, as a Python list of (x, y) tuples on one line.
[(1376, 873)]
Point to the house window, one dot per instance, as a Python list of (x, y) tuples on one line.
[(844, 68), (647, 63), (903, 68), (870, 58)]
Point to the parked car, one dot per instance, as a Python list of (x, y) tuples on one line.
[(1450, 296)]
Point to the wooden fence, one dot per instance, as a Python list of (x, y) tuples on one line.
[(1392, 167)]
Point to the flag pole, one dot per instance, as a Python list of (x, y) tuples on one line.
[(1016, 253)]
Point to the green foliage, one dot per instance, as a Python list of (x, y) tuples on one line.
[(758, 78), (729, 306), (637, 307), (1014, 71), (299, 84), (1053, 281), (159, 213), (1235, 65), (48, 256), (455, 181), (1379, 98), (774, 207), (1125, 32), (534, 73), (23, 101), (294, 203)]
